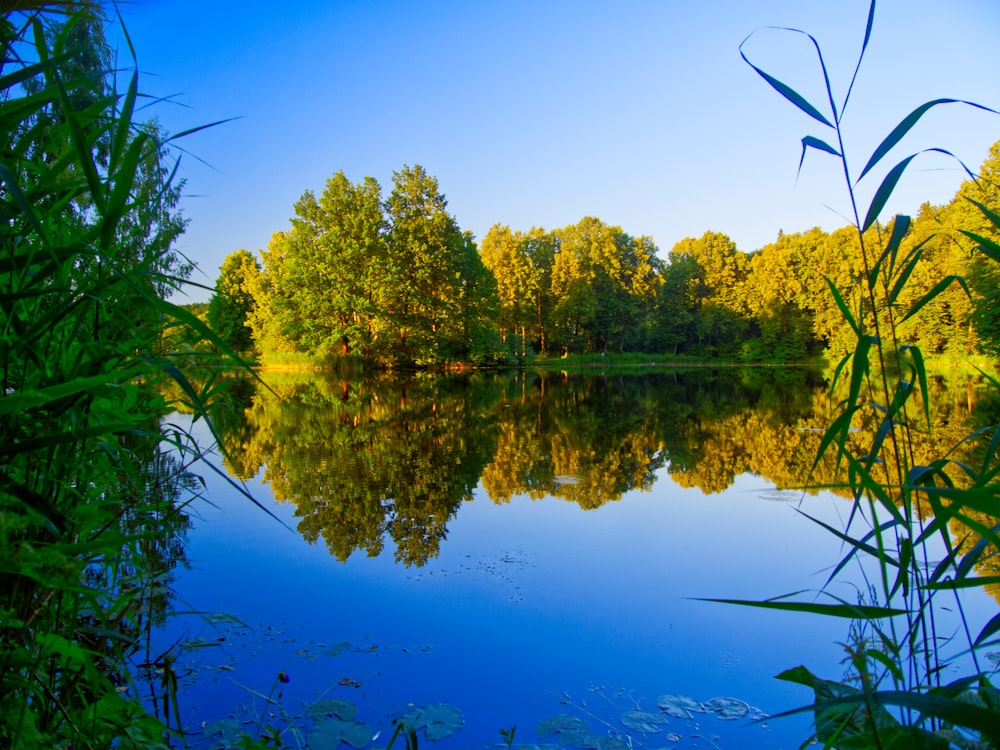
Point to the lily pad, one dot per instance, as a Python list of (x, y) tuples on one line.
[(643, 721), (333, 707), (679, 706), (329, 733), (227, 729), (438, 721), (569, 730), (728, 708), (603, 742)]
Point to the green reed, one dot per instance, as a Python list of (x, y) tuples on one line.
[(904, 513), (92, 486)]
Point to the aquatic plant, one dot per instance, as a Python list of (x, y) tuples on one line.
[(916, 531), (92, 485)]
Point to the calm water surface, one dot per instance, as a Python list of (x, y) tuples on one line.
[(519, 548)]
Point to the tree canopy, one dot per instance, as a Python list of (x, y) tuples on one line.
[(395, 281)]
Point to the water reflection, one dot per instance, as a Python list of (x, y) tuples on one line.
[(395, 456)]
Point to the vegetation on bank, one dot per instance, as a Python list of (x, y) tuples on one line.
[(92, 484), (397, 283)]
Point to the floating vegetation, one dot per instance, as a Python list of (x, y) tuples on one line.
[(632, 727), (604, 742), (568, 730), (332, 707), (437, 722), (679, 706), (329, 733), (728, 708), (643, 721)]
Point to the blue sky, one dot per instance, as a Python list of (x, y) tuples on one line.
[(640, 112)]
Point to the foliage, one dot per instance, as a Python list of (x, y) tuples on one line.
[(905, 508), (91, 486), (395, 283), (231, 305), (387, 461)]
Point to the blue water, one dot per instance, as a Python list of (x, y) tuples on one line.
[(532, 609)]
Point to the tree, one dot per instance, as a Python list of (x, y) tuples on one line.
[(717, 291), (337, 250), (672, 324), (272, 319), (963, 215), (421, 286), (507, 255), (230, 307)]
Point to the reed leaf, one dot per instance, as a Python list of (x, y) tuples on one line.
[(784, 89), (934, 292), (842, 609), (906, 125)]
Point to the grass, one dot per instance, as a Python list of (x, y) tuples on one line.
[(92, 486)]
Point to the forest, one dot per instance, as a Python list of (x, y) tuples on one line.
[(396, 282)]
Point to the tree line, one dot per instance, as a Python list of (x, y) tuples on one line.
[(397, 282)]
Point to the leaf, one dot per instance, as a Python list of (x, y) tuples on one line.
[(329, 733), (906, 124), (341, 709), (228, 728), (568, 730), (943, 284), (728, 708), (679, 706), (989, 629), (849, 611), (884, 191), (989, 248), (842, 306), (603, 742), (785, 90), (25, 400), (820, 145), (437, 721), (861, 55), (642, 721)]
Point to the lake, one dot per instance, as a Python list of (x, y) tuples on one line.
[(530, 550)]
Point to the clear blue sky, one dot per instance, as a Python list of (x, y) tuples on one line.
[(640, 112)]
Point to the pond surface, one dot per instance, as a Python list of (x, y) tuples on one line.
[(531, 550)]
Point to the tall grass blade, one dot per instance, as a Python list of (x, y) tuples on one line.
[(785, 90), (934, 292), (904, 127), (843, 609), (861, 55)]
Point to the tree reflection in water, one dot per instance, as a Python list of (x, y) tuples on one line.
[(395, 455)]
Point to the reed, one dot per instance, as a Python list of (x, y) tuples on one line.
[(92, 484), (916, 532)]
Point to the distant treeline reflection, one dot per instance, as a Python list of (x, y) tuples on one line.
[(394, 455)]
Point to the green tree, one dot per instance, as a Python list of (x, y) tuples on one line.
[(272, 319), (420, 289), (231, 305), (506, 254), (777, 299), (981, 272), (672, 323), (337, 250), (541, 248), (717, 292)]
